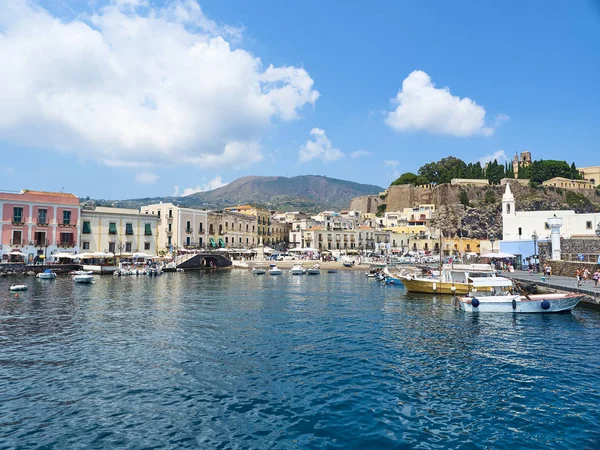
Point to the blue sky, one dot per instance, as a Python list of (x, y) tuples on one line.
[(127, 99)]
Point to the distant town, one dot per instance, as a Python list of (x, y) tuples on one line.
[(39, 225)]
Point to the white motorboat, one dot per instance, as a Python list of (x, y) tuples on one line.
[(501, 299), (258, 271), (18, 287), (297, 269), (46, 275), (274, 270), (82, 276), (314, 270)]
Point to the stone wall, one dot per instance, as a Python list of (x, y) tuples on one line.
[(407, 196), (568, 268), (366, 204)]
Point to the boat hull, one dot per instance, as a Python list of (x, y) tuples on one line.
[(551, 303), (433, 286)]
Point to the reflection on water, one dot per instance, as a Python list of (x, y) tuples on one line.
[(231, 360)]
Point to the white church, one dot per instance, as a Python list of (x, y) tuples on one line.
[(518, 227)]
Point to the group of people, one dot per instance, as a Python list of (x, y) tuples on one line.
[(583, 276)]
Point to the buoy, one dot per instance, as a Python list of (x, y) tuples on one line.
[(453, 288), (474, 303), (545, 304), (514, 303), (435, 286)]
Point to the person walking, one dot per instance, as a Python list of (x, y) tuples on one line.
[(548, 271), (578, 276), (596, 277)]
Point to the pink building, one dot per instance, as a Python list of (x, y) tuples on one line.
[(38, 223)]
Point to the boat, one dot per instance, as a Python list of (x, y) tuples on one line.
[(332, 271), (314, 270), (171, 267), (348, 263), (46, 275), (452, 279), (82, 276), (18, 287), (258, 271), (502, 299), (274, 270), (297, 269)]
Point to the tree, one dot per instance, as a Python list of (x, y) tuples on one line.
[(381, 210), (494, 172), (444, 170), (406, 178), (463, 198), (489, 196)]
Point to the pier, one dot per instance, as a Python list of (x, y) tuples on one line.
[(560, 283)]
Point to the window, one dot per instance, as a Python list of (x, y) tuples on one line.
[(201, 229), (220, 228), (188, 227), (520, 231), (17, 236), (588, 225), (87, 227), (169, 241), (170, 214), (17, 215), (42, 217), (226, 240), (170, 227), (158, 213), (129, 229), (66, 217), (147, 244), (147, 229), (85, 245), (188, 241), (128, 247), (40, 238), (508, 208), (111, 247), (211, 229), (246, 228), (112, 228), (200, 243), (66, 239)]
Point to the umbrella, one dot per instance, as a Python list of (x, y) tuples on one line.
[(499, 255), (64, 255), (15, 253), (268, 250), (142, 255)]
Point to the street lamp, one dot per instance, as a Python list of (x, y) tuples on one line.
[(534, 237), (492, 239)]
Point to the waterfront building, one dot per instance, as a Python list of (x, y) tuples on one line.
[(591, 174), (336, 221), (264, 225), (296, 232), (519, 226), (118, 230), (565, 183), (232, 230), (38, 223), (178, 227)]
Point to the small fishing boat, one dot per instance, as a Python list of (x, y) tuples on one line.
[(274, 270), (501, 299), (258, 271), (348, 263), (297, 269), (82, 276), (18, 287), (332, 271), (314, 270), (46, 275)]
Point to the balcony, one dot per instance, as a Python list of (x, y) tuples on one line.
[(68, 224), (67, 243), (18, 242), (42, 222), (168, 231), (188, 230), (17, 220), (39, 242)]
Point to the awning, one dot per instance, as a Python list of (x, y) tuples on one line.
[(221, 242), (499, 255), (212, 242), (142, 255)]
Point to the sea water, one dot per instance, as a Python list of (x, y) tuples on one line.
[(227, 359)]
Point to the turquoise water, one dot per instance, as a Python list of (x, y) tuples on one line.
[(231, 360)]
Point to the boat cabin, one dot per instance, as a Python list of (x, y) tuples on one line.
[(498, 286), (462, 273)]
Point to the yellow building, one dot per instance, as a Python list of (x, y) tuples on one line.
[(565, 183), (592, 174), (268, 232)]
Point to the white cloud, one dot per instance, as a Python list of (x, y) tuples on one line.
[(137, 85), (215, 183), (176, 190), (146, 178), (319, 148), (391, 163), (422, 107), (359, 154), (500, 156)]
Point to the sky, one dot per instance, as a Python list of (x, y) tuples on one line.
[(142, 98)]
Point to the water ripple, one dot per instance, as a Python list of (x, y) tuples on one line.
[(232, 361)]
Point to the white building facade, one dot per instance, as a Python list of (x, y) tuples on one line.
[(178, 227), (118, 230)]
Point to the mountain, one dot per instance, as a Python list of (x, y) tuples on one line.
[(310, 193)]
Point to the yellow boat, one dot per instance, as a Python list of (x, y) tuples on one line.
[(453, 279)]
